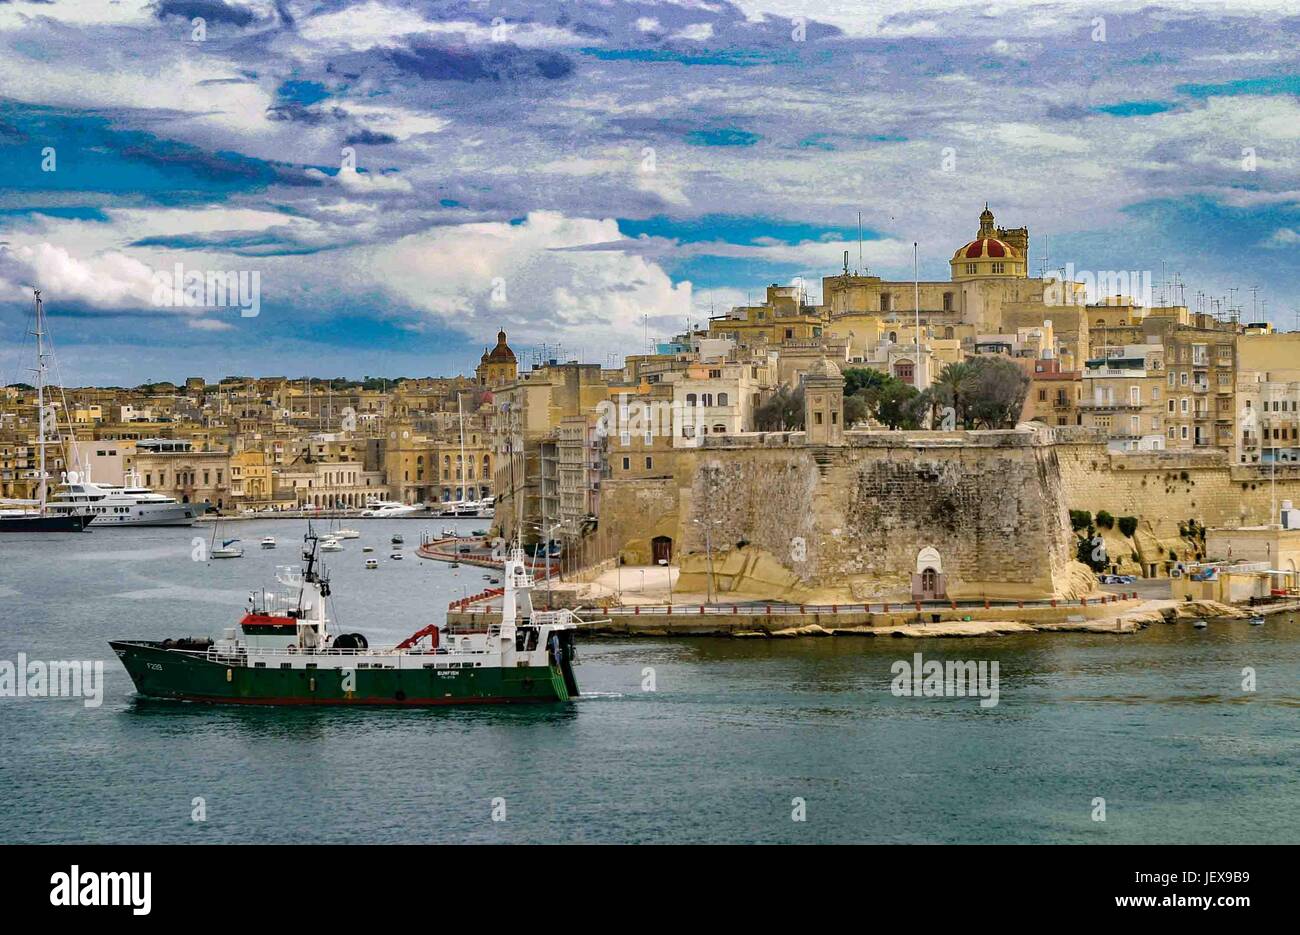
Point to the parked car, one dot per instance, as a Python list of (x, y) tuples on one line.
[(1116, 579)]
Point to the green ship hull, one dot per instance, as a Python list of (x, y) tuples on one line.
[(160, 672)]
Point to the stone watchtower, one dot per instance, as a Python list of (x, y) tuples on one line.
[(823, 404)]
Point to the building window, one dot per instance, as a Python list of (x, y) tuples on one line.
[(649, 463), (627, 464), (970, 269), (722, 399), (947, 302)]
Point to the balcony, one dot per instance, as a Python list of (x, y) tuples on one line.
[(1109, 407)]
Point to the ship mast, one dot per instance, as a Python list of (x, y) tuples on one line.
[(40, 400), (464, 468)]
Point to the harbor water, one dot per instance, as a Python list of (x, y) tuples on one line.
[(1162, 733)]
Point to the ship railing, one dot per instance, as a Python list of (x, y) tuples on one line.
[(226, 655)]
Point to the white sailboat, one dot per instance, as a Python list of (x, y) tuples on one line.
[(227, 549)]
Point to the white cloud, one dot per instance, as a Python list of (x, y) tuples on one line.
[(210, 324), (695, 32), (550, 289), (107, 280), (382, 25), (1283, 237), (364, 183)]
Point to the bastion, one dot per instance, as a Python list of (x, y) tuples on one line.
[(835, 515)]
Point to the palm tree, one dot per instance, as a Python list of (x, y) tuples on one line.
[(954, 384)]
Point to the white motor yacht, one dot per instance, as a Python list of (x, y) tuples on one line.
[(389, 508), (127, 504)]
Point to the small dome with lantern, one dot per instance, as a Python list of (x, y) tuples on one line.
[(990, 253)]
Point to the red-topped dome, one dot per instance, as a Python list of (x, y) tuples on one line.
[(986, 247)]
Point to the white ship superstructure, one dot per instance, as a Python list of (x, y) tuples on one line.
[(122, 504)]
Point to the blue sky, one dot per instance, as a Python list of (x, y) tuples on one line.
[(405, 178)]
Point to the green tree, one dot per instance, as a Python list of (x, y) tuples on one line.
[(855, 410), (995, 393), (896, 409), (782, 412)]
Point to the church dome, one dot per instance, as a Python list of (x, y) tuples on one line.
[(501, 353), (986, 248)]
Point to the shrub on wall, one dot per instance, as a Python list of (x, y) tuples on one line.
[(1105, 520), (1080, 519), (1128, 525), (1084, 554)]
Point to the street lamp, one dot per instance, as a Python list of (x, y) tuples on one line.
[(664, 562)]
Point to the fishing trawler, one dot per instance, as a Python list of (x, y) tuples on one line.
[(284, 652)]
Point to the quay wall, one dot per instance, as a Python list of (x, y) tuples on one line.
[(686, 620)]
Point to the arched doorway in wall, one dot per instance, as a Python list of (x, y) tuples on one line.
[(928, 582), (662, 549)]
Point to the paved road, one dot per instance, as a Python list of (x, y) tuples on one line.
[(1150, 589)]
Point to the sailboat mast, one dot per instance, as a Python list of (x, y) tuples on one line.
[(464, 468), (40, 399)]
